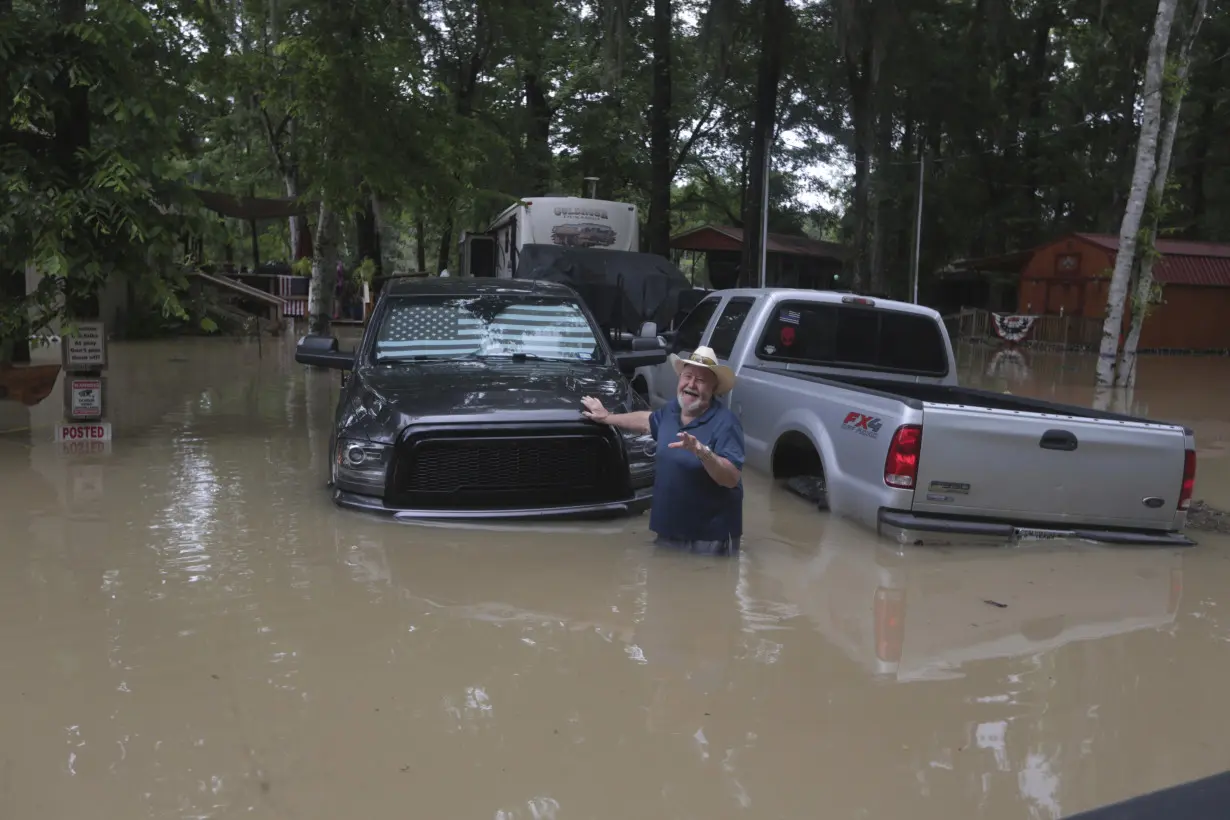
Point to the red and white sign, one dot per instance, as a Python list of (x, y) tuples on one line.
[(71, 431), (85, 398)]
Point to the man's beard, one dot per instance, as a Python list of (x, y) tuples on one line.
[(690, 403)]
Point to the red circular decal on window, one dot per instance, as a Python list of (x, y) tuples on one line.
[(787, 336)]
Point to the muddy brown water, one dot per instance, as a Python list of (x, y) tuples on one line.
[(191, 630)]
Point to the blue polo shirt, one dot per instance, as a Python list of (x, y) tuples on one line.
[(688, 505)]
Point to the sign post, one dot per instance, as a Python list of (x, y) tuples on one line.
[(85, 358)]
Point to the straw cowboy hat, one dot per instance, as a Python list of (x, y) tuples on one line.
[(706, 358)]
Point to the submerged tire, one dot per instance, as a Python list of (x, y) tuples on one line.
[(810, 488)]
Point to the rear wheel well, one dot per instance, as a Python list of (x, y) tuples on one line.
[(795, 455)]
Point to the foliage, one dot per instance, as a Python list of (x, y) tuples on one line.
[(92, 152), (434, 115)]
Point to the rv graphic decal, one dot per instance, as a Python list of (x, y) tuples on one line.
[(581, 213), (583, 235)]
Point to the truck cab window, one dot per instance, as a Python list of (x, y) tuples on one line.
[(692, 328), (856, 337), (730, 322)]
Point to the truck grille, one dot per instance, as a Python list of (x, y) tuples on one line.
[(513, 468)]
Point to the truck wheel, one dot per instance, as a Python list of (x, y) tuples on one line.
[(795, 459)]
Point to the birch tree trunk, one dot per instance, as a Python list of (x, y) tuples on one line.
[(1142, 179), (324, 272), (1126, 375)]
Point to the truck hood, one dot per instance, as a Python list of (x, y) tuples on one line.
[(382, 401)]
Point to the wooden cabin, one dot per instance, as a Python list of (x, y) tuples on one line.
[(1071, 277)]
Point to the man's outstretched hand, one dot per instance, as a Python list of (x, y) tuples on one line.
[(688, 442)]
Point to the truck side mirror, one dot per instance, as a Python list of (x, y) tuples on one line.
[(322, 351)]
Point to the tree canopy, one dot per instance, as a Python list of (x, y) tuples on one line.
[(408, 122)]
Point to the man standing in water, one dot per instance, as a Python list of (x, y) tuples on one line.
[(698, 485)]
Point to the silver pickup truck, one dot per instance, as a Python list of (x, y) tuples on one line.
[(863, 393)]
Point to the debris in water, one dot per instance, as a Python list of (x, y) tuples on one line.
[(1202, 516), (810, 488), (994, 603)]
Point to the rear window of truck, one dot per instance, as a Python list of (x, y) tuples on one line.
[(854, 337)]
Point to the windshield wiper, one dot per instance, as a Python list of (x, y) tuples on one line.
[(522, 357), (421, 358)]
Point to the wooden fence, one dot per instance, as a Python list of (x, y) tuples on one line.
[(1069, 332)]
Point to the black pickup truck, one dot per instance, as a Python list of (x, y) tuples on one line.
[(464, 401)]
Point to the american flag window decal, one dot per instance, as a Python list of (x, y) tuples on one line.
[(450, 327)]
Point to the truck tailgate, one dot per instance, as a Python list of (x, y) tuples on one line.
[(1036, 467)]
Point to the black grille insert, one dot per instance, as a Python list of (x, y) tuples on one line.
[(503, 468)]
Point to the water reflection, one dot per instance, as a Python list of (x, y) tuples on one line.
[(920, 615)]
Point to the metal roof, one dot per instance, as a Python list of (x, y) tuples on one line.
[(1182, 262), (726, 238)]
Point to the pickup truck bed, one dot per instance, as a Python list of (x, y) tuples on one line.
[(1004, 466)]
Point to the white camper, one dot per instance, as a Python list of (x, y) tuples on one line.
[(562, 220)]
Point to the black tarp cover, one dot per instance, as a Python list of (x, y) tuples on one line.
[(622, 288)]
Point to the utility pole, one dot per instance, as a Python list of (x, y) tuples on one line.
[(922, 165)]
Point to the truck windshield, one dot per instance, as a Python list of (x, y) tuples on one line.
[(487, 326)]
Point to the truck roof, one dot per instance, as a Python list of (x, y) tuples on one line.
[(471, 286), (830, 296)]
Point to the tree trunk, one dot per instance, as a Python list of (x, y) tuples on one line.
[(367, 242), (537, 135), (768, 77), (1142, 179), (1200, 166), (446, 244), (300, 236), (1038, 86), (660, 147), (881, 200), (324, 272), (420, 243), (1141, 303)]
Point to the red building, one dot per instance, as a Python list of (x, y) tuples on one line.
[(1071, 276)]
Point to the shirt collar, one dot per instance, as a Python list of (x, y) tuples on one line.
[(715, 404)]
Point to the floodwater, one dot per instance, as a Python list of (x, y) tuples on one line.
[(191, 630)]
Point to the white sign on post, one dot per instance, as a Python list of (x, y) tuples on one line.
[(85, 399), (87, 348)]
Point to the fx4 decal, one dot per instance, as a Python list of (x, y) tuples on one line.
[(862, 424)]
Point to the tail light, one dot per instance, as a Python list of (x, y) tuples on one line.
[(889, 624), (1189, 480), (901, 466)]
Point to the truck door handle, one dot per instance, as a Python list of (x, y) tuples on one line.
[(1058, 440)]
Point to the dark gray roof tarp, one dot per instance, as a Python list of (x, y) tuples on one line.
[(623, 289)]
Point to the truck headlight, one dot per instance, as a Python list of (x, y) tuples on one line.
[(641, 448), (362, 466)]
